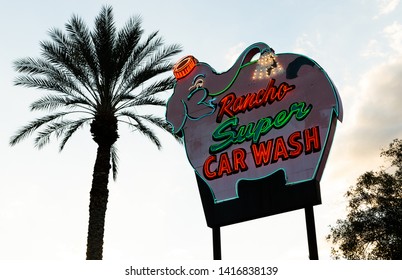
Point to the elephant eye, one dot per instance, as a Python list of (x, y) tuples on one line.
[(197, 84)]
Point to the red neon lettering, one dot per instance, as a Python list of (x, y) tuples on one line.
[(262, 152), (225, 104), (224, 165), (207, 173), (238, 104), (312, 142), (239, 160), (280, 150), (270, 151), (293, 143), (271, 92), (231, 104), (260, 98), (249, 102)]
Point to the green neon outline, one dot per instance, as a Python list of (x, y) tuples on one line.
[(234, 78), (217, 147), (337, 110)]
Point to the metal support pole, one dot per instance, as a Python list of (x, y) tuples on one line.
[(311, 235), (216, 240)]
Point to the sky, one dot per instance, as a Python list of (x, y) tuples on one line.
[(154, 210)]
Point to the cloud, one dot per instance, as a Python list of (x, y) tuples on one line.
[(377, 105), (373, 49), (388, 48), (234, 53), (373, 115), (386, 6), (372, 119), (304, 44), (393, 33), (372, 104)]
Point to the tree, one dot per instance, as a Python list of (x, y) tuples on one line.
[(373, 226), (100, 78)]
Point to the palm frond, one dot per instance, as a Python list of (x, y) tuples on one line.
[(141, 127), (39, 83), (124, 100), (42, 74), (74, 126), (51, 102), (134, 101), (158, 87), (59, 37), (147, 62), (163, 124), (53, 128), (68, 59), (104, 37), (126, 43), (154, 120), (81, 37), (34, 125), (158, 121), (34, 66), (161, 57), (142, 75), (134, 61)]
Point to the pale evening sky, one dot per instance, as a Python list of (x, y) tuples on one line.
[(154, 209)]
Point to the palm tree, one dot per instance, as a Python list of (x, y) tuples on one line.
[(99, 78)]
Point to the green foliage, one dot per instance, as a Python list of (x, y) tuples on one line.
[(373, 226)]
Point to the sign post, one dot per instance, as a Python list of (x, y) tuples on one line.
[(258, 135), (311, 235), (216, 240)]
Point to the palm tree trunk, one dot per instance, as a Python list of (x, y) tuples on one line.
[(98, 203)]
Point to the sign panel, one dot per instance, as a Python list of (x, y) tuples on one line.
[(274, 113)]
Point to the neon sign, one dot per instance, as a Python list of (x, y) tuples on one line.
[(277, 112), (231, 104)]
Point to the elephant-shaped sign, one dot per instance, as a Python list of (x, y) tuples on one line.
[(275, 112)]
